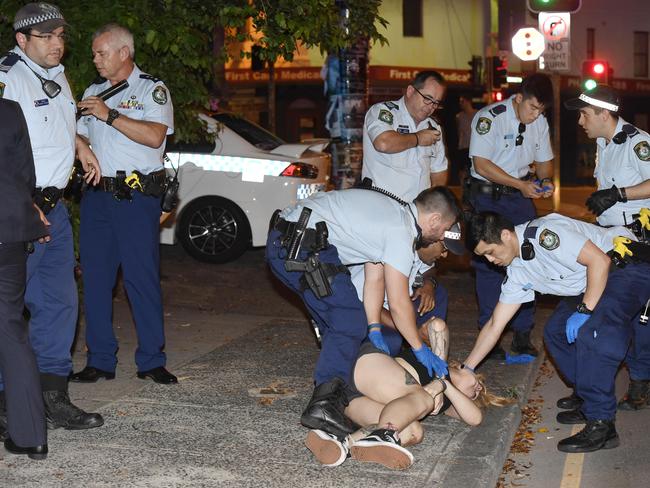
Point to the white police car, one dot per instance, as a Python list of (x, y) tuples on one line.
[(230, 187)]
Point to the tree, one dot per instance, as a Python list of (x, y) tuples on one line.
[(173, 41), (281, 24)]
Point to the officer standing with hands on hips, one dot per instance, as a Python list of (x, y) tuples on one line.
[(120, 216), (309, 248), (623, 177), (403, 151), (507, 137), (589, 332), (32, 75)]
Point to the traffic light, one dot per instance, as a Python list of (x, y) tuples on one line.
[(594, 72), (497, 96), (537, 6), (499, 69), (475, 64)]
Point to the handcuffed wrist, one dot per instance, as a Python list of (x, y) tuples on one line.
[(374, 326), (444, 385)]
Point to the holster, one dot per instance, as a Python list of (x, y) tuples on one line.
[(317, 276), (47, 198)]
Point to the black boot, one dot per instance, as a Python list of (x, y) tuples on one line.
[(637, 396), (325, 410), (60, 412), (3, 417), (570, 402), (597, 434), (521, 343), (570, 417)]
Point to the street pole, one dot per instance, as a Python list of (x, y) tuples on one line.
[(555, 78)]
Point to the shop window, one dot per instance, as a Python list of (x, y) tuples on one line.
[(641, 54), (412, 18)]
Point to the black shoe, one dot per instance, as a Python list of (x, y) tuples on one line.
[(521, 344), (60, 412), (34, 452), (597, 434), (90, 375), (637, 396), (497, 353), (159, 375), (571, 417), (325, 410), (570, 402)]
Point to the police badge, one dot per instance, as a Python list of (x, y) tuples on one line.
[(159, 95), (642, 150), (549, 240), (386, 116), (483, 125)]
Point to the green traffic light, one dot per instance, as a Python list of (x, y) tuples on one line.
[(590, 84)]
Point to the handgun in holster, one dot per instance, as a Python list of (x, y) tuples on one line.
[(122, 189), (314, 275), (641, 225), (626, 250)]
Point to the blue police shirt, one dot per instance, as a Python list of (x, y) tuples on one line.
[(147, 99), (555, 270), (623, 164), (494, 135), (51, 121), (364, 226)]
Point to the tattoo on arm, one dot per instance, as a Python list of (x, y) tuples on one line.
[(409, 379)]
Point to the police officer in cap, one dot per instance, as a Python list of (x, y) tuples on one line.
[(589, 332), (308, 249), (507, 137), (403, 151), (32, 75), (623, 177), (120, 216)]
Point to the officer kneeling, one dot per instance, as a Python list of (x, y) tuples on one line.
[(308, 249), (589, 332)]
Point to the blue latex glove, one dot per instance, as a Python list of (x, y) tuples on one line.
[(374, 334), (431, 361), (573, 325), (519, 358)]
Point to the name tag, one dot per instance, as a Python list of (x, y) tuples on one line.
[(403, 129), (41, 103), (509, 136)]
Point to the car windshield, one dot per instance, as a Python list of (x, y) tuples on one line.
[(254, 134)]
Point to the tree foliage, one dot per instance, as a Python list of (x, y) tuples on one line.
[(173, 38)]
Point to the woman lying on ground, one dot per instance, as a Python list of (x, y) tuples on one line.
[(389, 410)]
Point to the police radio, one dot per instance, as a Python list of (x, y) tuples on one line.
[(527, 249), (169, 198)]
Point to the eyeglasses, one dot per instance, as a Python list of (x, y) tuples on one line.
[(428, 100), (520, 136), (50, 37)]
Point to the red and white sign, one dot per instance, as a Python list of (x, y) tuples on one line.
[(556, 27)]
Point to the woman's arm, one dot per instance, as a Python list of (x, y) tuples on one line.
[(462, 408)]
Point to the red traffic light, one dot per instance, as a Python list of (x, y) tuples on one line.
[(598, 68)]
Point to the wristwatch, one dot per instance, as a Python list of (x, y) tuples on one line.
[(112, 115), (582, 308)]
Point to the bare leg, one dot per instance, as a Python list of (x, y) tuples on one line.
[(438, 337)]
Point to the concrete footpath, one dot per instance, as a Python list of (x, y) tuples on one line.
[(244, 352)]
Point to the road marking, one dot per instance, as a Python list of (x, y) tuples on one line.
[(572, 474)]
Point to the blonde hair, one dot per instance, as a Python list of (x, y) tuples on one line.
[(484, 398)]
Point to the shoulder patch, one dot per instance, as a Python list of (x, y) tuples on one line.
[(642, 150), (99, 80), (386, 116), (549, 240), (159, 95), (497, 109), (392, 105), (483, 125), (8, 61), (145, 76)]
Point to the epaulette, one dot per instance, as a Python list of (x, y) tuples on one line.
[(8, 61), (628, 130), (392, 105), (145, 76), (497, 109), (99, 80)]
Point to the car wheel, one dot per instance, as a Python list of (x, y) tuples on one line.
[(214, 230)]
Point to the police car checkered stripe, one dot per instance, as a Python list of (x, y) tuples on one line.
[(256, 168), (305, 191)]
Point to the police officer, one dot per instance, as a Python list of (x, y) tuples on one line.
[(19, 223), (403, 151), (589, 332), (32, 75), (507, 137), (120, 216), (623, 177), (309, 246), (426, 305)]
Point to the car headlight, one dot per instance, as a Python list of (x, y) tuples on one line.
[(300, 170)]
